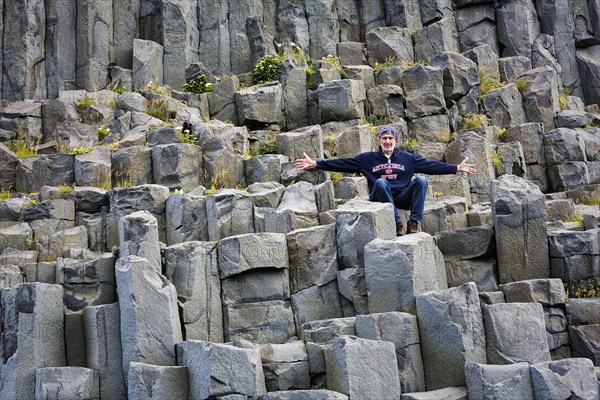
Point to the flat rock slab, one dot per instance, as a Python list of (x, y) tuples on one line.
[(573, 378)]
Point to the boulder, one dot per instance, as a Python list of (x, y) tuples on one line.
[(138, 236), (295, 99), (146, 382), (147, 63), (583, 311), (423, 90), (362, 368), (353, 141), (295, 143), (430, 128), (228, 213), (52, 170), (260, 105), (460, 74), (9, 163), (589, 69), (485, 55), (285, 366), (341, 100), (76, 383), (476, 25), (131, 166), (220, 369), (540, 96), (317, 303), (519, 214), (504, 107), (517, 26), (452, 334), (251, 251), (389, 43), (177, 166), (263, 284), (548, 292), (572, 377), (437, 37), (499, 381), (186, 218), (585, 342), (264, 168), (350, 187), (261, 322), (193, 270), (398, 270), (513, 67), (515, 332)]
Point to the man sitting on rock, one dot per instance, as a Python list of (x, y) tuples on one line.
[(389, 172)]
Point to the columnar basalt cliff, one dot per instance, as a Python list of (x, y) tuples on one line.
[(157, 241)]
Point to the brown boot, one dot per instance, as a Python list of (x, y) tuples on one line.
[(399, 228), (412, 227)]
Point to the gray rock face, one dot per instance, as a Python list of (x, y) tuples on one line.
[(452, 334), (94, 28), (293, 79), (583, 311), (357, 223), (32, 336), (362, 369), (146, 298), (260, 105), (229, 212), (147, 63), (450, 393), (132, 164), (193, 269), (264, 168), (341, 100), (93, 169), (439, 37), (53, 170), (317, 303), (499, 381), (75, 383), (180, 40), (531, 136), (513, 67), (261, 322), (146, 382), (307, 140), (312, 257), (264, 284), (387, 43), (515, 332), (504, 106), (519, 214), (285, 366), (402, 330), (315, 394), (219, 369), (517, 27), (573, 377), (460, 74), (245, 252), (423, 89), (585, 342), (589, 69), (138, 236), (386, 101), (548, 292), (177, 166), (476, 27), (8, 162), (186, 218), (540, 96), (398, 270), (103, 348)]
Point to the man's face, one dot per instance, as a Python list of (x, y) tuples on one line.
[(388, 143)]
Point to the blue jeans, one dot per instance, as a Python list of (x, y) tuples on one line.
[(412, 197)]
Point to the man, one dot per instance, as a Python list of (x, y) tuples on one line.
[(389, 173)]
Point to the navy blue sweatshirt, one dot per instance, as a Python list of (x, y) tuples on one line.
[(399, 171)]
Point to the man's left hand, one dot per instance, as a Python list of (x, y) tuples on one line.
[(467, 168)]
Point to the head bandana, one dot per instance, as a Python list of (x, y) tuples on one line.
[(388, 130)]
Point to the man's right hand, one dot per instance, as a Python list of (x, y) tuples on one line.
[(305, 163)]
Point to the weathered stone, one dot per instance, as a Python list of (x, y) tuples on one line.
[(532, 137), (574, 377), (146, 382), (357, 223), (362, 368), (177, 166), (515, 332), (16, 237), (540, 96), (132, 165), (423, 89), (263, 322), (59, 243), (352, 53), (314, 394), (312, 257), (569, 175), (299, 198), (402, 330), (438, 37), (430, 128), (468, 243), (519, 222), (180, 40), (575, 119), (245, 252), (53, 170), (264, 284), (452, 334), (10, 276), (350, 187), (583, 311), (486, 58), (517, 27), (482, 271), (219, 369), (460, 74), (548, 292), (504, 106), (317, 303), (341, 100), (327, 330), (476, 25), (499, 381), (512, 160), (266, 194), (352, 286), (398, 270), (32, 336), (138, 236), (229, 213), (103, 347), (72, 383), (589, 70), (389, 43), (260, 105), (186, 218), (293, 80), (146, 298), (353, 141), (193, 269), (562, 144), (8, 162), (221, 101), (386, 101), (445, 213), (264, 168), (585, 342), (147, 63), (512, 68), (93, 169), (285, 366), (449, 393)]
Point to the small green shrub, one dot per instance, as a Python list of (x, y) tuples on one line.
[(411, 143), (65, 189), (155, 87), (103, 131), (521, 83), (443, 136), (159, 108), (497, 162), (186, 136), (81, 150), (267, 69), (82, 104), (198, 85), (336, 176), (488, 81), (5, 194), (473, 121)]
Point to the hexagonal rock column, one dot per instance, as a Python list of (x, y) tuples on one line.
[(515, 332), (219, 369), (32, 336), (341, 100), (146, 299), (103, 348), (519, 215), (67, 383), (362, 368), (452, 334), (402, 330), (499, 381), (285, 366), (193, 269), (147, 382), (138, 236), (229, 213), (397, 270), (177, 165)]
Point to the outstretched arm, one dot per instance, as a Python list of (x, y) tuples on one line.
[(467, 168), (305, 163)]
